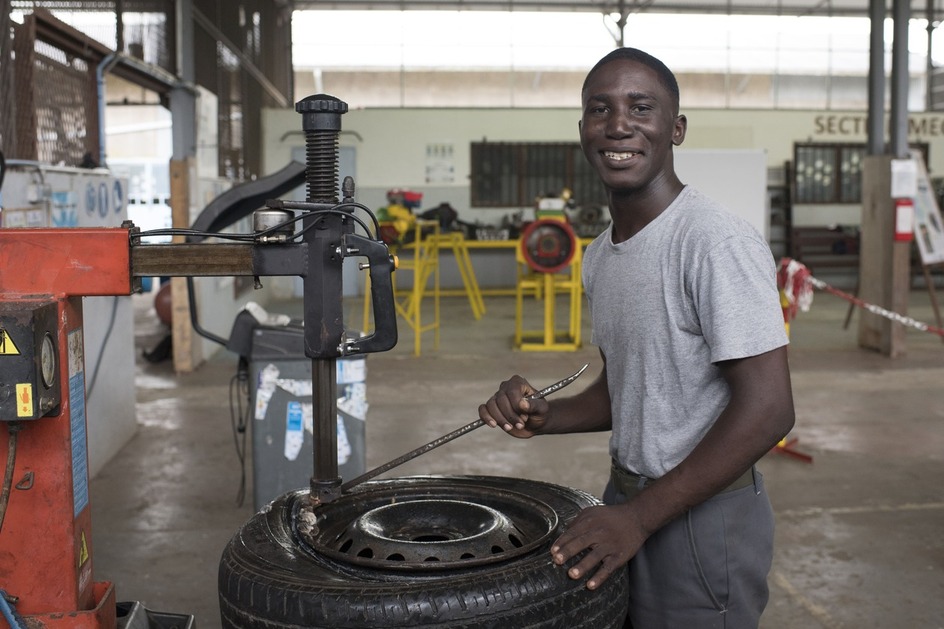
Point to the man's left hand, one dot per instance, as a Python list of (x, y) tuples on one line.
[(610, 534)]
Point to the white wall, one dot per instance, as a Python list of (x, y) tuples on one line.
[(391, 144), (736, 178)]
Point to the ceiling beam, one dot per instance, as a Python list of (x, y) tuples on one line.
[(796, 8)]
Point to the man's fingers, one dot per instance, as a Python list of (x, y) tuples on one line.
[(577, 536), (607, 566), (597, 562), (602, 555), (558, 553), (499, 411), (568, 545), (493, 413), (507, 408)]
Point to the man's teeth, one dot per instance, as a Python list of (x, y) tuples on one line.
[(617, 156)]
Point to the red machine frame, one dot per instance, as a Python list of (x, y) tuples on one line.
[(46, 541)]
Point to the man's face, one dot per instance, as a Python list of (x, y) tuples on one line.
[(629, 125)]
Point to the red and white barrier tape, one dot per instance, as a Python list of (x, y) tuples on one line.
[(877, 310), (796, 285)]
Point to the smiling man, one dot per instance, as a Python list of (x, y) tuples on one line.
[(695, 385)]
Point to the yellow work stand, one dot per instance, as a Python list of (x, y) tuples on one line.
[(423, 262), (548, 286), (456, 241)]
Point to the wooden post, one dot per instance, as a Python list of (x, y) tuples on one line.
[(929, 282), (884, 264), (188, 354)]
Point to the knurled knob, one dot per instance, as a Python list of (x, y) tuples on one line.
[(321, 112), (321, 103)]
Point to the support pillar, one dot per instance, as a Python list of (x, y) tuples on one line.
[(884, 267), (188, 351)]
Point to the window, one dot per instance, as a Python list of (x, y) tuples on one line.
[(514, 174), (831, 173), (828, 173)]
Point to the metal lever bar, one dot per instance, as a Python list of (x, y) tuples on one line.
[(409, 456), (557, 386), (435, 443)]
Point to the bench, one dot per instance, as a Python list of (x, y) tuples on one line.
[(825, 249)]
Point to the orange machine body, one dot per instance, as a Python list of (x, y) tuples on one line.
[(45, 534)]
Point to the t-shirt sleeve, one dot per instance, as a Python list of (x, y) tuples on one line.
[(737, 300)]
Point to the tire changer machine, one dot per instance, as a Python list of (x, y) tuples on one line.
[(45, 524)]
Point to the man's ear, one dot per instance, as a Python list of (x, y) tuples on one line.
[(681, 126)]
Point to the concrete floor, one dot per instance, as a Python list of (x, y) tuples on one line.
[(859, 530)]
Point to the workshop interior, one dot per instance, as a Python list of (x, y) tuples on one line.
[(347, 282)]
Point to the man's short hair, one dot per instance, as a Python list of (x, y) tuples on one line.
[(634, 54)]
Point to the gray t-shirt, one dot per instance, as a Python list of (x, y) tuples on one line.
[(694, 287)]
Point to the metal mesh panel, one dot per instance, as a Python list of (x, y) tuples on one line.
[(150, 37), (229, 77), (7, 102), (146, 27), (56, 106), (62, 95), (23, 144), (236, 58), (233, 54)]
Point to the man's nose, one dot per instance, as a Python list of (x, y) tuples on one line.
[(620, 126)]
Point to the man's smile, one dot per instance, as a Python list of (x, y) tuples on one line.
[(619, 156)]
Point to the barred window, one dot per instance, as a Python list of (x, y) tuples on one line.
[(514, 174), (831, 173)]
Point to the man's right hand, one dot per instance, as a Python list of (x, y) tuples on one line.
[(509, 409)]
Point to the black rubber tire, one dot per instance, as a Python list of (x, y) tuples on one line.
[(268, 581)]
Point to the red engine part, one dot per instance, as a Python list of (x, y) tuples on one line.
[(548, 245)]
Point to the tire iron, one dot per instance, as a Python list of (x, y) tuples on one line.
[(409, 456)]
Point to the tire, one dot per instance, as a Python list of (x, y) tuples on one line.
[(271, 578)]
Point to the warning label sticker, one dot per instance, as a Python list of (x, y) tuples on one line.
[(7, 347), (24, 400), (83, 550)]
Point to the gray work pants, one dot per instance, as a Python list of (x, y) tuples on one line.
[(707, 569)]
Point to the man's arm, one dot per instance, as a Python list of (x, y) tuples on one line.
[(758, 415)]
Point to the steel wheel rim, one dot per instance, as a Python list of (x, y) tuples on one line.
[(406, 525)]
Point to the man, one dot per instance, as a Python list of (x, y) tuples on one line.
[(695, 384)]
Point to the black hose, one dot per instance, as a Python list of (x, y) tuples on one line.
[(101, 353), (192, 298), (239, 417), (13, 428)]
